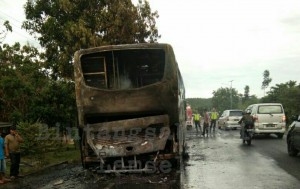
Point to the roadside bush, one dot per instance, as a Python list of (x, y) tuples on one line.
[(38, 140)]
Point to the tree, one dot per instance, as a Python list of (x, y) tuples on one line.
[(65, 26), (266, 81), (3, 31), (28, 94), (222, 98), (288, 94), (251, 100), (247, 99), (21, 79), (38, 141), (199, 104), (246, 93)]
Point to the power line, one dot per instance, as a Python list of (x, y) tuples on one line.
[(18, 34), (17, 30), (8, 16)]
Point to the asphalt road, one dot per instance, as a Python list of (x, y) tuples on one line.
[(219, 161), (222, 161)]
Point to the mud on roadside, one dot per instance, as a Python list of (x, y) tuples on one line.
[(70, 175)]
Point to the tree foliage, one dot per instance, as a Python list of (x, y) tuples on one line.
[(288, 94), (251, 100), (21, 80), (65, 26), (199, 104), (225, 98), (246, 92), (247, 99), (26, 91), (38, 140), (4, 30), (266, 80)]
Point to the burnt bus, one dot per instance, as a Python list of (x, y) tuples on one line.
[(131, 109)]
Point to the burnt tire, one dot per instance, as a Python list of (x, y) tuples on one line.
[(292, 151)]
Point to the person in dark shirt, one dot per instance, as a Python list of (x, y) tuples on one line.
[(248, 122)]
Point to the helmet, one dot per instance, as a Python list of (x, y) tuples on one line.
[(248, 111)]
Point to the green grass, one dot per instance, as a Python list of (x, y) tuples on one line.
[(66, 153)]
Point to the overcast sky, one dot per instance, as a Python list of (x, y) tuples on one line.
[(217, 41)]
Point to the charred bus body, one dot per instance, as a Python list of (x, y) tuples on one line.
[(131, 109)]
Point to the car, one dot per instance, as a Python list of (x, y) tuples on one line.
[(269, 118), (229, 119), (293, 137)]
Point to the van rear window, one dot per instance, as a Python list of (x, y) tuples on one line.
[(270, 109), (236, 113)]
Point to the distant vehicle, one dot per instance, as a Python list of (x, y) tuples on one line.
[(269, 118), (293, 138), (229, 119)]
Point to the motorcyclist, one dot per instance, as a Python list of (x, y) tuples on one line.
[(248, 122)]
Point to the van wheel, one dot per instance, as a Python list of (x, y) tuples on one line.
[(291, 149), (280, 135)]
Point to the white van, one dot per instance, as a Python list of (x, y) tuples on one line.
[(269, 118)]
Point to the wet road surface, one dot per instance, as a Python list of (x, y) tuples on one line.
[(219, 161), (222, 161)]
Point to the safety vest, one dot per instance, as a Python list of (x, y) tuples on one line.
[(197, 117), (214, 115)]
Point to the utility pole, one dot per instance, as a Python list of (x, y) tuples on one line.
[(231, 94)]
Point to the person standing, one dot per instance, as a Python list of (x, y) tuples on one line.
[(12, 149), (206, 123), (2, 161), (189, 112), (213, 118), (197, 118)]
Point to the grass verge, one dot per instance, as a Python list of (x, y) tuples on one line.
[(31, 164)]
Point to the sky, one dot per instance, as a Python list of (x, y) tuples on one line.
[(217, 43)]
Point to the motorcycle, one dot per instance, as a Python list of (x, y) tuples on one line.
[(247, 134)]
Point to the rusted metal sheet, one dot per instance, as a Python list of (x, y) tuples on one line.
[(129, 124), (163, 96), (130, 101), (129, 137)]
